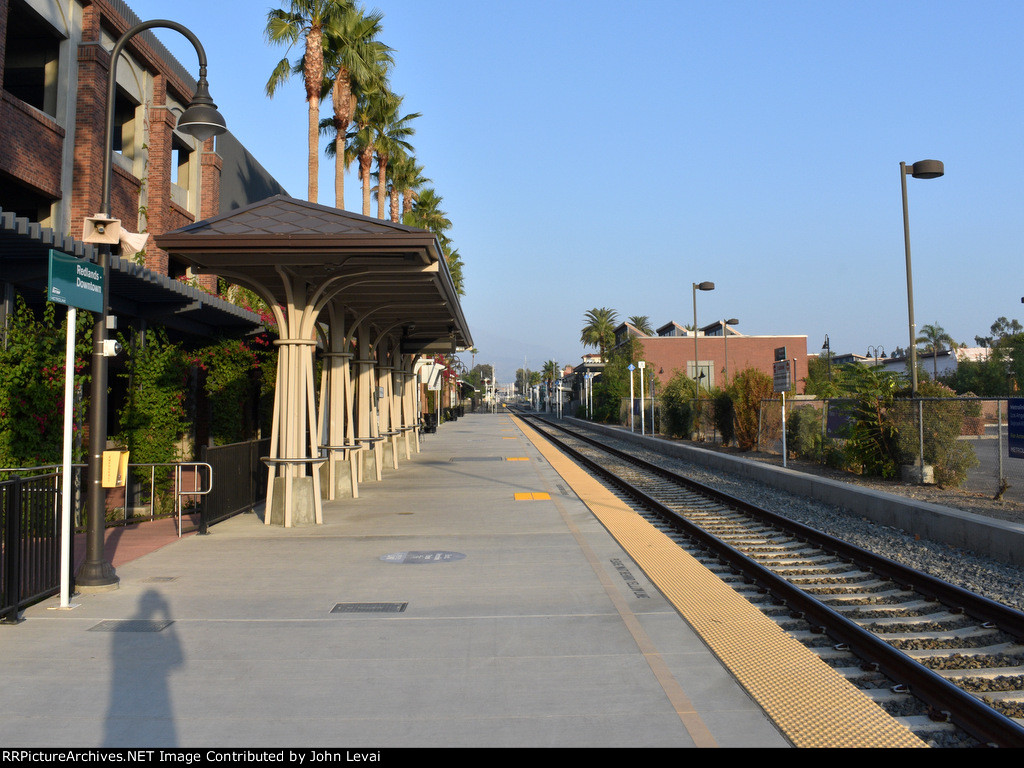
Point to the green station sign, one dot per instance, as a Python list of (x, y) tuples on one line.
[(75, 282)]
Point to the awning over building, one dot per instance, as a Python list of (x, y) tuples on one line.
[(135, 292)]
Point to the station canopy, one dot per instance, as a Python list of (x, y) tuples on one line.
[(389, 275)]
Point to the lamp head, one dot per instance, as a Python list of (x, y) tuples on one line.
[(927, 169), (705, 286), (202, 120)]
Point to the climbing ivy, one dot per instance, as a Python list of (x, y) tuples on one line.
[(32, 385)]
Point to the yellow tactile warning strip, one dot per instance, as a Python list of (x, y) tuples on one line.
[(517, 458), (812, 704), (532, 497)]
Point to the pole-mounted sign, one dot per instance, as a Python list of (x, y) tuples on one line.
[(75, 282)]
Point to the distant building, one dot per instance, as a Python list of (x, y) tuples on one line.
[(721, 352)]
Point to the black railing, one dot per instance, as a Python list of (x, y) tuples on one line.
[(30, 558), (239, 477)]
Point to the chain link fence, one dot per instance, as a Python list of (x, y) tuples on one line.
[(963, 441)]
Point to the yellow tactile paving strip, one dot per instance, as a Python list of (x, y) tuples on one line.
[(535, 496), (809, 702)]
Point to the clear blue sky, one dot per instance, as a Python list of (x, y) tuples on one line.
[(607, 154)]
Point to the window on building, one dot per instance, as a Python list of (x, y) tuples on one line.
[(125, 114), (181, 171), (704, 370), (31, 56), (25, 202)]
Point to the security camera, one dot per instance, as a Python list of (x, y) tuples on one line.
[(111, 347)]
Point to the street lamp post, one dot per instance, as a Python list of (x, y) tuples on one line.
[(201, 120), (705, 286), (827, 346), (725, 344), (877, 351), (922, 169)]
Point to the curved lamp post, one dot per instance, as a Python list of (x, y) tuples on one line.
[(922, 169), (202, 121)]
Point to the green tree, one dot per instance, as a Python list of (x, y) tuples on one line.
[(393, 132), (356, 60), (642, 323), (426, 213), (747, 389), (305, 22), (612, 386), (949, 457), (677, 397), (32, 384), (935, 339), (873, 444), (406, 180), (599, 330)]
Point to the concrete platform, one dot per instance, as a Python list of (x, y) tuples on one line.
[(524, 625)]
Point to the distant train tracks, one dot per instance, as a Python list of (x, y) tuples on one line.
[(959, 653)]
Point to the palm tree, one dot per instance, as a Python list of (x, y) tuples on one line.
[(355, 60), (642, 323), (372, 110), (390, 141), (406, 180), (426, 214), (935, 339), (454, 261), (600, 329), (306, 21)]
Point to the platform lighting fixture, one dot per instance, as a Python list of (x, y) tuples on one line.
[(922, 169), (202, 121)]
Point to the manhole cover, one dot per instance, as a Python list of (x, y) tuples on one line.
[(415, 558), (131, 626)]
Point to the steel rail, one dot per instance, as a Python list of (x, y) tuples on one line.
[(945, 698)]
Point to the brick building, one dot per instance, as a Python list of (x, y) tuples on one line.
[(54, 65), (719, 357)]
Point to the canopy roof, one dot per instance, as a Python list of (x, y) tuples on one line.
[(391, 274), (135, 292)]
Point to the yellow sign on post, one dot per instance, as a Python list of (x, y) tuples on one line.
[(115, 469)]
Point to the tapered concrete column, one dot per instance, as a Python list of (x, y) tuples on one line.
[(339, 476), (293, 485), (367, 428)]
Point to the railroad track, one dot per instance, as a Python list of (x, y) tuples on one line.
[(959, 653)]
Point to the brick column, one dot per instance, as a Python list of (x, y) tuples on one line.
[(90, 117), (161, 127), (210, 168)]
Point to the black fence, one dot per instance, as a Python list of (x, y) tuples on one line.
[(239, 479), (30, 557)]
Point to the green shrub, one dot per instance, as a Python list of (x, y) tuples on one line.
[(677, 406), (803, 432), (747, 390)]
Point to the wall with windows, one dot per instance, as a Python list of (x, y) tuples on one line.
[(54, 65)]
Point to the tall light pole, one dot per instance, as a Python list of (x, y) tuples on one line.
[(922, 169), (705, 286), (725, 344), (827, 346), (203, 121)]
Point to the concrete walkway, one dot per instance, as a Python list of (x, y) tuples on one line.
[(524, 624)]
